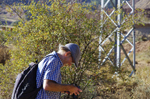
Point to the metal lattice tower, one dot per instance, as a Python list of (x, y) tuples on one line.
[(118, 37)]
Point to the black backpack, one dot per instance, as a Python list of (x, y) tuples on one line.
[(25, 84)]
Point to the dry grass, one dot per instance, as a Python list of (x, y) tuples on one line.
[(122, 86), (142, 91), (4, 54)]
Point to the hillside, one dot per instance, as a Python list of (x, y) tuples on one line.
[(12, 17), (143, 4), (6, 16)]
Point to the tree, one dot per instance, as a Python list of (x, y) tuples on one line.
[(50, 26)]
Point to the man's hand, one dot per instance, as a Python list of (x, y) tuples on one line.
[(74, 90)]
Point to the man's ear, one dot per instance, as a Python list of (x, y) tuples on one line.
[(67, 53)]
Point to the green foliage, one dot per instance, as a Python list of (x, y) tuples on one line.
[(49, 26), (2, 37)]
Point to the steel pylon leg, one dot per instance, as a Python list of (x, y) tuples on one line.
[(118, 22)]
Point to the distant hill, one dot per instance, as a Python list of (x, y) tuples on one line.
[(10, 2), (143, 4), (28, 1), (5, 16)]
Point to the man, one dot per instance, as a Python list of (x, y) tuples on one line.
[(48, 72)]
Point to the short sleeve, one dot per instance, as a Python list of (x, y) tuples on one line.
[(52, 71)]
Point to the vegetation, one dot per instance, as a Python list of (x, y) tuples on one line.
[(60, 23), (48, 27)]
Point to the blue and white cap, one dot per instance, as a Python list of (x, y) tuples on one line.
[(75, 52)]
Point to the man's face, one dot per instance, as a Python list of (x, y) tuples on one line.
[(69, 59)]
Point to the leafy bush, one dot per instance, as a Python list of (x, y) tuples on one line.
[(48, 27)]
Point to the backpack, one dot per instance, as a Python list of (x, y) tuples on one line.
[(25, 84)]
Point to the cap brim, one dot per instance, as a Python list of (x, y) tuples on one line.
[(74, 60)]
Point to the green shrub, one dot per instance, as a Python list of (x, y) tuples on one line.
[(48, 27)]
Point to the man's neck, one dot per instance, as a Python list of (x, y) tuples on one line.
[(61, 57)]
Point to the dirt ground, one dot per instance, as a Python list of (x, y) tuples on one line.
[(141, 48), (125, 91)]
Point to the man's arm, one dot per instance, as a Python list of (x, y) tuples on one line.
[(50, 85)]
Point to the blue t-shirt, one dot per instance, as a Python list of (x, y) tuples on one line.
[(49, 68)]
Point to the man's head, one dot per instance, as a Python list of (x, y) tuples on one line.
[(72, 52)]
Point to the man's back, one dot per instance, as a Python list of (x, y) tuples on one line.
[(49, 68)]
